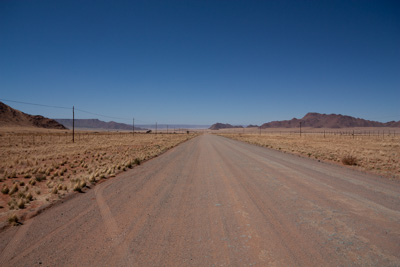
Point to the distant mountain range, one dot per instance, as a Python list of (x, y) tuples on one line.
[(10, 117), (219, 125), (317, 120), (174, 126), (13, 117), (97, 124)]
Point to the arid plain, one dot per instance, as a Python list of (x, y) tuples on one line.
[(214, 201), (374, 150), (39, 166)]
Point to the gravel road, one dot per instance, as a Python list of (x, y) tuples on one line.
[(213, 201)]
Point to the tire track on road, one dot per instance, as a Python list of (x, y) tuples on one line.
[(12, 246), (108, 219), (46, 237)]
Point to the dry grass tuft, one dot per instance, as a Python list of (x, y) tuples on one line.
[(349, 160), (29, 197), (5, 190), (77, 187), (13, 219), (14, 189), (21, 203)]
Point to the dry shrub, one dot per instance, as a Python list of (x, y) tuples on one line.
[(5, 190), (29, 197), (14, 189), (13, 219), (349, 160), (92, 179), (77, 188), (21, 204)]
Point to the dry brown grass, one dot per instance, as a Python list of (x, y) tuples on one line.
[(376, 154), (41, 167)]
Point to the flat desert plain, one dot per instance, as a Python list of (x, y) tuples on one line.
[(39, 167), (375, 150), (214, 201)]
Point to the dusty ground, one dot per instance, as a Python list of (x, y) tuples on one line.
[(214, 201), (40, 167), (376, 154)]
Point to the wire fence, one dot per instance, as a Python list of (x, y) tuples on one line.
[(326, 133), (26, 140), (84, 133)]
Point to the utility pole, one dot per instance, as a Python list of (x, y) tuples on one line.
[(156, 127), (167, 128), (300, 128), (73, 124), (133, 126)]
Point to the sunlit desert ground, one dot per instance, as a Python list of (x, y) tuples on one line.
[(40, 167), (375, 150)]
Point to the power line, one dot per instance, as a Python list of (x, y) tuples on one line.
[(50, 106), (34, 104), (88, 112)]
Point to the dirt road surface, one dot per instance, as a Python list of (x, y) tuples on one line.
[(217, 202)]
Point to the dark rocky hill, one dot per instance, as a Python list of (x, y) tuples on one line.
[(97, 124), (10, 117), (317, 120), (219, 125)]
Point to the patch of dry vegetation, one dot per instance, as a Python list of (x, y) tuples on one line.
[(38, 168), (379, 155)]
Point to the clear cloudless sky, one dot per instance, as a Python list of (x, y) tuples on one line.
[(200, 61)]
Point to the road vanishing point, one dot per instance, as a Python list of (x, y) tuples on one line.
[(212, 201)]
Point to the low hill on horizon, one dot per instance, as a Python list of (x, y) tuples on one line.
[(318, 120), (10, 117), (218, 125), (97, 124)]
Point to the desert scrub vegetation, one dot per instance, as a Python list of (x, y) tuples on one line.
[(379, 155), (349, 160), (45, 168), (13, 219)]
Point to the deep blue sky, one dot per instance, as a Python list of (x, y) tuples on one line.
[(199, 62)]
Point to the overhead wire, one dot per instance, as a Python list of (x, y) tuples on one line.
[(76, 109), (34, 104), (101, 115)]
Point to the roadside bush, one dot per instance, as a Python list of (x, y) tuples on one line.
[(137, 161), (77, 187), (29, 197), (40, 177), (5, 189), (21, 204), (13, 220), (14, 189), (349, 160)]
